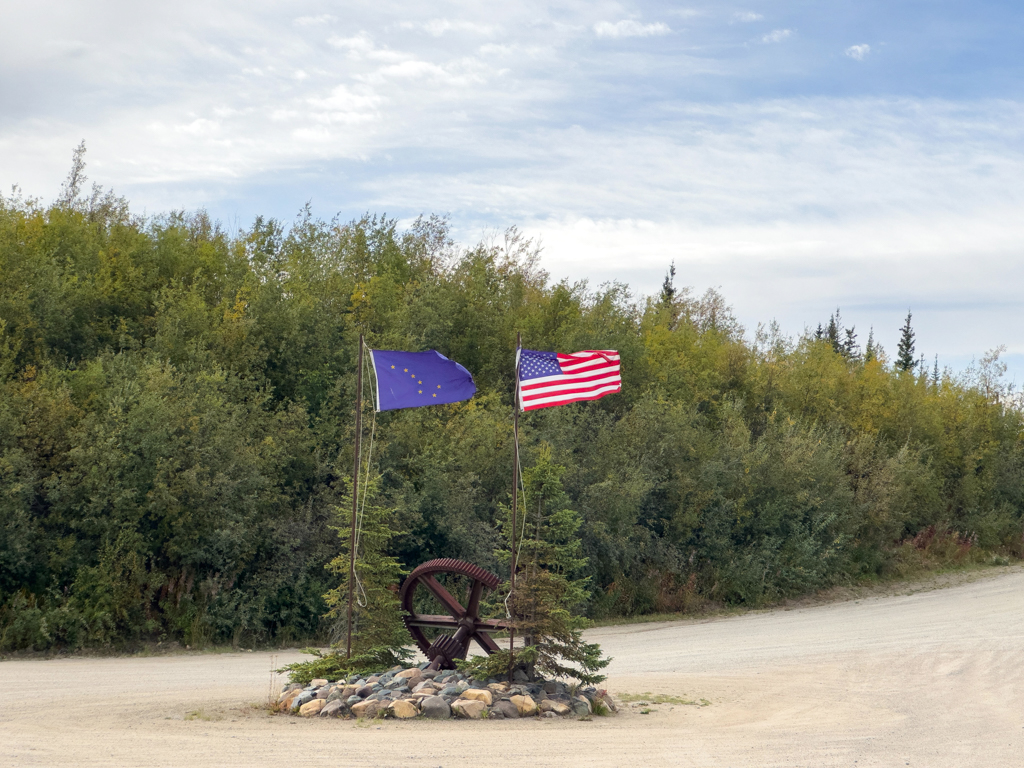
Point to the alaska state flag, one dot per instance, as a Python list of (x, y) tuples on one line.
[(415, 379)]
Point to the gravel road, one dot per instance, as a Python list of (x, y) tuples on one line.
[(930, 678)]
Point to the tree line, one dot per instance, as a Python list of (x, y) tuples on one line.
[(176, 430)]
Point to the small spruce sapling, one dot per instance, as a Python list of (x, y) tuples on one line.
[(905, 351), (379, 635), (870, 351), (549, 589)]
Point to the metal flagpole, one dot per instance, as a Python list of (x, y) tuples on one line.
[(355, 496), (515, 503)]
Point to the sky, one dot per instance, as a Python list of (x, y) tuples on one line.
[(799, 157)]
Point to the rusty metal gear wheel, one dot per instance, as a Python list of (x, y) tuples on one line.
[(463, 624)]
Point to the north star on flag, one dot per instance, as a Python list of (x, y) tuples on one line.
[(554, 378)]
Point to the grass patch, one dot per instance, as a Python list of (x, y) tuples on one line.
[(202, 714), (646, 699)]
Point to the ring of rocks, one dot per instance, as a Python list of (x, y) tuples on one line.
[(439, 695)]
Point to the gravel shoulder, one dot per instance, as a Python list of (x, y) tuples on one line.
[(917, 675)]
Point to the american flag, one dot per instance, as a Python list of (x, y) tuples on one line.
[(553, 378)]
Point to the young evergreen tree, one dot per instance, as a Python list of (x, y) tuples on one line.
[(550, 591), (668, 288), (935, 372), (850, 349), (870, 351), (379, 635), (905, 350), (832, 332), (843, 340)]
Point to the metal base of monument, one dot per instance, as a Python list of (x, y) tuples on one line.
[(462, 624)]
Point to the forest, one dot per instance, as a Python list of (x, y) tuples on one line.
[(177, 430)]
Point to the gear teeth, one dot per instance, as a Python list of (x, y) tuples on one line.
[(450, 565), (429, 568)]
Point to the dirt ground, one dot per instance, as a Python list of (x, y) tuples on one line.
[(923, 677)]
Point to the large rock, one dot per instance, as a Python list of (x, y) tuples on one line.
[(368, 708), (302, 698), (403, 709), (410, 673), (334, 708), (507, 708), (525, 704), (550, 705), (426, 684), (581, 706), (287, 698), (498, 687), (435, 708), (364, 691), (477, 694), (318, 683), (312, 708), (470, 709), (607, 700)]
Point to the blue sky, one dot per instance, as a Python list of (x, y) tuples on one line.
[(798, 155)]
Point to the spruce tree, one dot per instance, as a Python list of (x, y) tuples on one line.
[(550, 591), (832, 332), (935, 372), (379, 635), (905, 350), (870, 351), (843, 340), (668, 288), (850, 349)]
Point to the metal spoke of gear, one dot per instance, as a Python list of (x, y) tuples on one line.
[(462, 624)]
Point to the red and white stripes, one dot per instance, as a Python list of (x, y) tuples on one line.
[(586, 375)]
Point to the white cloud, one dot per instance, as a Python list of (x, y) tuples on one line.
[(746, 16), (312, 21), (776, 36), (357, 45), (630, 28), (858, 52), (438, 27), (345, 105), (798, 273)]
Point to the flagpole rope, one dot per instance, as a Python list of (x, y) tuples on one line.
[(519, 549), (361, 597), (522, 533)]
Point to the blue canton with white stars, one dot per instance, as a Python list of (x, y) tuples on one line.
[(533, 365)]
